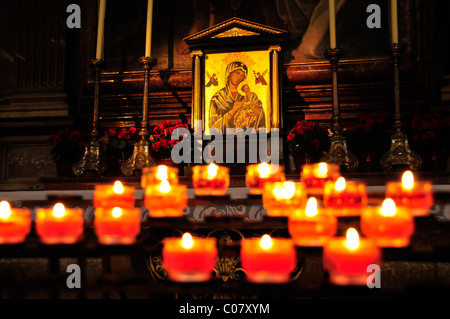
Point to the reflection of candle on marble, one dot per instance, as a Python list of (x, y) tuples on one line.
[(269, 260), (117, 195), (165, 200), (312, 226), (283, 198), (153, 175), (117, 226), (259, 174), (189, 259), (345, 198), (15, 224), (388, 225), (314, 176), (210, 180), (416, 196), (346, 259), (59, 225)]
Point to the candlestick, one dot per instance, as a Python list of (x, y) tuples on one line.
[(268, 260), (332, 14), (416, 196), (59, 225), (189, 259), (148, 35), (109, 196), (283, 198), (210, 180), (101, 30), (258, 175), (165, 200), (388, 225), (15, 224), (117, 226), (346, 258), (345, 198), (153, 175), (394, 22), (312, 226)]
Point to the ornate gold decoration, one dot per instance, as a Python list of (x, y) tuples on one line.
[(235, 32)]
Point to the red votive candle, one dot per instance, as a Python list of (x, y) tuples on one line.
[(314, 176), (345, 198), (15, 224), (117, 195), (117, 226), (258, 175), (210, 180)]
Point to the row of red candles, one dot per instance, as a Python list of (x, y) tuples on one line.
[(117, 221)]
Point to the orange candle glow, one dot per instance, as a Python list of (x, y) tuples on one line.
[(117, 195), (210, 180), (153, 175), (59, 225), (312, 226), (345, 198), (259, 174), (283, 198), (15, 224), (189, 259), (416, 196), (346, 258), (314, 176), (165, 200), (268, 260), (117, 226), (388, 225)]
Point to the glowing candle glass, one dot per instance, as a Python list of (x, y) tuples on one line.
[(282, 198), (15, 224), (117, 195), (312, 226), (259, 174), (417, 196), (117, 226), (268, 260), (345, 198), (210, 180), (346, 258), (165, 200), (189, 259), (153, 175), (314, 176), (388, 225), (59, 225)]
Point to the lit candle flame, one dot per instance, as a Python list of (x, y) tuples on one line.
[(311, 207), (284, 191), (118, 187), (59, 210), (263, 170), (352, 239), (212, 170), (340, 184), (5, 210), (408, 180), (187, 241), (164, 187), (116, 212), (266, 242), (388, 207), (322, 171), (161, 173)]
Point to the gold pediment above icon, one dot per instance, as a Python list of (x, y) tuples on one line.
[(235, 32)]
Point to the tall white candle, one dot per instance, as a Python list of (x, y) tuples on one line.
[(101, 29), (148, 37), (332, 11), (394, 22)]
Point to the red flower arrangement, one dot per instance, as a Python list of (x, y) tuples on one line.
[(121, 140), (430, 132), (163, 143), (308, 137), (68, 144), (369, 134)]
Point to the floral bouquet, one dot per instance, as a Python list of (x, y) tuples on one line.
[(121, 141), (369, 134), (163, 143), (68, 145), (430, 133), (308, 137)]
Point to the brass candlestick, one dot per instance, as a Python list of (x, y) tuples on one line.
[(338, 152), (92, 159), (399, 153), (141, 156)]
